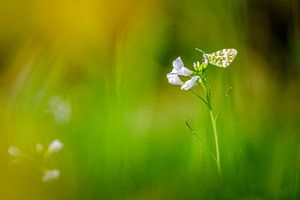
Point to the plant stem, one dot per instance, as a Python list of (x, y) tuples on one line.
[(213, 121)]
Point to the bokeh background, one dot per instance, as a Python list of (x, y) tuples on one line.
[(93, 74)]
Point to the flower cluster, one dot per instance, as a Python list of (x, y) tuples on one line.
[(221, 58), (180, 70), (54, 147)]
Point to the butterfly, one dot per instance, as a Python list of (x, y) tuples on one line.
[(221, 58)]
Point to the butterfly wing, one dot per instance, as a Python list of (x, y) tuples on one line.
[(221, 58)]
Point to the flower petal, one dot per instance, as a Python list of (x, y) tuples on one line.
[(55, 146), (174, 79), (190, 83), (178, 64), (184, 71), (174, 71), (51, 174)]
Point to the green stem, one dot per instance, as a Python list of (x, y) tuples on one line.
[(213, 121), (213, 118), (222, 104)]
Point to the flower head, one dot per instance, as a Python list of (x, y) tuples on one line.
[(55, 146), (180, 70), (14, 151), (60, 108)]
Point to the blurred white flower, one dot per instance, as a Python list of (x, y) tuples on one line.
[(55, 146), (190, 83), (60, 108), (51, 174), (14, 151), (39, 148)]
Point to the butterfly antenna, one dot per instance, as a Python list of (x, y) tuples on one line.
[(200, 51)]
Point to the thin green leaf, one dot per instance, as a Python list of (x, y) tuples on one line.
[(200, 140)]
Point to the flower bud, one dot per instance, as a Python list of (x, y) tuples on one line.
[(14, 151), (51, 174)]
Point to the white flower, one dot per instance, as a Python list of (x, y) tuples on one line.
[(179, 68), (51, 174), (174, 79), (14, 151), (190, 83), (55, 146), (60, 108)]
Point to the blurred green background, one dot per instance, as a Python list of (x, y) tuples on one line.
[(123, 125)]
